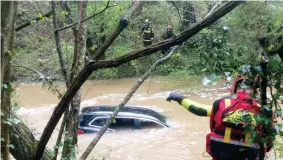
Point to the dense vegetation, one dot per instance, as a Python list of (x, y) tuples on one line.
[(214, 49)]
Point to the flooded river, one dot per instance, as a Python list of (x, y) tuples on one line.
[(185, 139)]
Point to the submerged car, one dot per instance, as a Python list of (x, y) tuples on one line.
[(130, 117)]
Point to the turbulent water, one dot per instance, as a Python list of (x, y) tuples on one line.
[(185, 139)]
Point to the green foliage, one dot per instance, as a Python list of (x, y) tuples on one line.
[(278, 145), (110, 73), (7, 88), (72, 149), (212, 50)]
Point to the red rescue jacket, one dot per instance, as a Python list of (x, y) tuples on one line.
[(227, 124)]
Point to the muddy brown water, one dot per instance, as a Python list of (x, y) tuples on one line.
[(185, 139)]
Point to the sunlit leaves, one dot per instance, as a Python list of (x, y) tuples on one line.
[(40, 16), (32, 22), (64, 13)]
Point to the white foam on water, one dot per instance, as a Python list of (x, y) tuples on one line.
[(35, 110)]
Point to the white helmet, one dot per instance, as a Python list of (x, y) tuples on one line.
[(146, 21)]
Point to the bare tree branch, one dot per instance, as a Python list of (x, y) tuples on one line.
[(125, 100), (192, 13), (42, 76), (218, 4), (83, 20), (48, 14), (132, 10), (58, 45), (178, 10), (38, 7), (64, 6), (122, 24), (94, 65)]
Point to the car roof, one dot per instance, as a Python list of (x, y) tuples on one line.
[(134, 110)]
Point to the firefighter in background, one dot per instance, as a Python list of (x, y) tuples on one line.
[(228, 140), (147, 33), (168, 34)]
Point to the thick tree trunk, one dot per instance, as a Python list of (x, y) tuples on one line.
[(8, 12), (18, 136), (23, 142)]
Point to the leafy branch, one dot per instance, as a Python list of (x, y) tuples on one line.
[(38, 18)]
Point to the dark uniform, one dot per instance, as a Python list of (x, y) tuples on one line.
[(168, 34), (147, 35)]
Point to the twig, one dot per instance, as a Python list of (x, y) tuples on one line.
[(97, 78), (58, 46), (83, 20), (64, 72), (125, 100), (41, 76), (192, 13), (148, 87), (178, 14), (38, 7), (48, 14), (64, 6), (124, 20)]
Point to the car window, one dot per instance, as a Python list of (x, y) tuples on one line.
[(145, 124), (99, 122), (85, 119), (127, 123)]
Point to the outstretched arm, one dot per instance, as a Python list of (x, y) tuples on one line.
[(194, 107)]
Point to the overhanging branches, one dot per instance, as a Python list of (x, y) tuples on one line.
[(94, 65), (48, 14), (124, 20), (95, 14), (42, 76)]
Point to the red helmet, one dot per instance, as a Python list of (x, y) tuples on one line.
[(250, 83), (169, 27), (235, 84)]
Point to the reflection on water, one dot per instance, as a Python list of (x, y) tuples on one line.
[(185, 139)]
